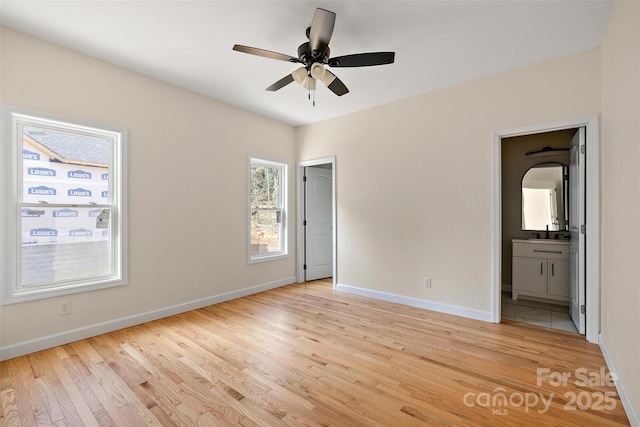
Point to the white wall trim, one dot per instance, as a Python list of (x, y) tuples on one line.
[(300, 210), (416, 302), (592, 213), (50, 341), (625, 398)]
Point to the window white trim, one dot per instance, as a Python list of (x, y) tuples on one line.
[(11, 290), (284, 252)]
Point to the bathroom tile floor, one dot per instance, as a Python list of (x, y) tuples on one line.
[(537, 313)]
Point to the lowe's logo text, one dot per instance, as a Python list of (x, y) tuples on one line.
[(105, 176), (46, 232), (94, 213), (83, 232), (105, 194), (79, 174), (42, 191), (65, 213), (79, 192), (30, 155), (41, 171), (31, 213)]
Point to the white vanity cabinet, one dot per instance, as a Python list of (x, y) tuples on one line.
[(541, 269)]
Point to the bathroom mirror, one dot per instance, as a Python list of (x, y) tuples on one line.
[(544, 198)]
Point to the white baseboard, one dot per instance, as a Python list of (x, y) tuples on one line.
[(50, 341), (486, 316), (627, 403)]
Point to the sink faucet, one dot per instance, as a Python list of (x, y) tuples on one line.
[(537, 235), (546, 236)]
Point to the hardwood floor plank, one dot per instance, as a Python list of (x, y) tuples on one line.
[(304, 355), (10, 413), (58, 403), (26, 396)]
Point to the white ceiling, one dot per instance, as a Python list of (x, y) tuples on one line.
[(437, 43)]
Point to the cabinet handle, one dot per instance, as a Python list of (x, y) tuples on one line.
[(547, 252), (552, 270), (541, 265)]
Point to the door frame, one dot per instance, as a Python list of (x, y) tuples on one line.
[(300, 195), (592, 214)]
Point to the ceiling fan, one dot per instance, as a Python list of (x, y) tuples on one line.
[(314, 56)]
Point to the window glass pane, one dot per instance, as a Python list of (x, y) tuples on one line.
[(266, 231), (267, 234), (63, 167), (60, 244), (265, 186), (69, 227)]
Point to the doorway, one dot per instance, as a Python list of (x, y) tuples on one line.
[(590, 211), (316, 220)]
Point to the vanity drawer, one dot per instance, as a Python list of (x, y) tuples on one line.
[(541, 250)]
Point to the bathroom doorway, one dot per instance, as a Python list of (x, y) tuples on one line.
[(558, 135)]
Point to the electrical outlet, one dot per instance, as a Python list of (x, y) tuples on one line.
[(427, 282), (65, 307)]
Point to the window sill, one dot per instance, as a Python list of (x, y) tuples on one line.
[(37, 294), (258, 259)]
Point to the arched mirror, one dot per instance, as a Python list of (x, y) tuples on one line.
[(544, 198)]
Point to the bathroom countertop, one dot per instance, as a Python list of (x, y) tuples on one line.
[(543, 241)]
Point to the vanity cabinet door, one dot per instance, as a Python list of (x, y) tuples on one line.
[(558, 277), (530, 274)]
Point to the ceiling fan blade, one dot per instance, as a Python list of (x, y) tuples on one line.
[(321, 30), (264, 53), (281, 83), (334, 84), (363, 59)]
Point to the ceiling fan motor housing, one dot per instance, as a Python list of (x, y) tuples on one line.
[(307, 56)]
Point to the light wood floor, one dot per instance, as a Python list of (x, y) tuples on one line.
[(304, 355)]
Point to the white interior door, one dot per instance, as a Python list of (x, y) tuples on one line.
[(576, 223), (318, 225)]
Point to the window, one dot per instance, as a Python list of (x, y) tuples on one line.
[(267, 209), (64, 203)]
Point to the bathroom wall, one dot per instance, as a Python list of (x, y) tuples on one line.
[(514, 165)]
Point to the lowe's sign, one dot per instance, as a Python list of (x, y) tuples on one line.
[(43, 232), (79, 192), (42, 191), (30, 155), (82, 232), (79, 174), (27, 213), (41, 172), (65, 213)]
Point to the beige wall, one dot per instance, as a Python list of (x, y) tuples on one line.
[(414, 178), (185, 246), (621, 194)]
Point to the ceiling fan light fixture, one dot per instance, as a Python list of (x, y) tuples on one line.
[(300, 75), (309, 83), (317, 71)]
